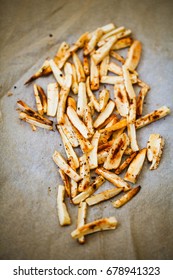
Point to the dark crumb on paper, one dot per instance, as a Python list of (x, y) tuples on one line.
[(93, 177), (50, 35), (145, 102), (60, 144), (15, 87), (9, 94), (49, 190)]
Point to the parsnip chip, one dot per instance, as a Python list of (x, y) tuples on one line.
[(112, 80), (135, 167), (44, 70), (104, 114), (52, 99), (89, 191), (113, 178), (64, 92), (154, 150), (82, 211), (43, 98), (107, 28), (126, 197), (110, 34), (64, 218), (102, 196), (117, 56), (62, 164), (95, 226), (140, 100)]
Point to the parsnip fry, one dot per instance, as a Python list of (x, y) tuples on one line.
[(90, 45), (95, 226), (81, 219), (152, 117), (89, 191), (112, 80), (64, 218), (112, 32), (104, 66), (135, 166), (64, 92), (71, 155), (125, 163), (102, 155), (103, 98), (84, 173), (65, 180), (43, 71), (61, 55), (107, 28), (82, 99), (52, 99), (79, 68), (154, 150), (115, 68), (122, 43), (103, 51), (104, 114), (103, 196), (125, 198), (69, 132), (104, 136), (35, 121), (74, 85), (87, 118), (86, 67), (23, 106), (92, 155), (74, 188), (122, 123), (62, 164), (85, 145), (38, 100), (121, 100), (77, 122), (140, 100), (117, 56), (94, 75), (116, 152), (80, 42), (92, 96), (72, 102), (113, 178), (57, 73), (43, 98), (133, 55)]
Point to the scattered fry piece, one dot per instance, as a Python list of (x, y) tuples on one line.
[(126, 197), (82, 210), (102, 196), (64, 218), (154, 150)]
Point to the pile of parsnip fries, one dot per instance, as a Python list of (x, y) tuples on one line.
[(100, 123)]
